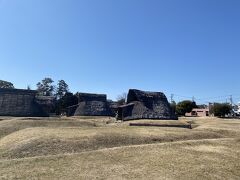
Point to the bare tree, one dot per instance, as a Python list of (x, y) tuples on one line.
[(122, 99)]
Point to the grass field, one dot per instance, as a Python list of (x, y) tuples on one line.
[(100, 148)]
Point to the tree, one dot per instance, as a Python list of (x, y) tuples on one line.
[(6, 85), (45, 87), (62, 89), (184, 107), (220, 110), (122, 99), (67, 100)]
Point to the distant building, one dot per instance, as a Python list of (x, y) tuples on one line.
[(197, 112)]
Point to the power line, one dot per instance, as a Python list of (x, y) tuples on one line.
[(216, 97), (223, 98), (182, 96)]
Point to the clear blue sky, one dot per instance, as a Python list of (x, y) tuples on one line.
[(188, 47)]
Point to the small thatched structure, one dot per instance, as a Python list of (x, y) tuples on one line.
[(90, 105), (48, 103), (145, 105)]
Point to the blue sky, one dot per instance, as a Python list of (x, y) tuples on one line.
[(188, 47)]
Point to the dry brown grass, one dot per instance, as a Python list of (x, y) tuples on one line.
[(51, 141), (97, 148), (203, 159), (9, 125)]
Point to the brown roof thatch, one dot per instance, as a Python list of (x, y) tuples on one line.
[(145, 105), (91, 105)]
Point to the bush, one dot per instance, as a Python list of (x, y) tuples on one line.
[(184, 107), (221, 110)]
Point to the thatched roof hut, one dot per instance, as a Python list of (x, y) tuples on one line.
[(145, 105), (20, 102), (92, 105)]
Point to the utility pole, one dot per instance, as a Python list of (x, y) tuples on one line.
[(231, 100), (172, 95), (193, 99)]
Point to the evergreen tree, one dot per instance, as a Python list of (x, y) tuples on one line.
[(6, 85), (62, 89), (45, 87)]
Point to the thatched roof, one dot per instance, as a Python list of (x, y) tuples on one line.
[(92, 105), (146, 105), (20, 102)]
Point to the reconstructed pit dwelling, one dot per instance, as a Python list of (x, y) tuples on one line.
[(90, 105), (146, 105), (140, 105), (19, 102)]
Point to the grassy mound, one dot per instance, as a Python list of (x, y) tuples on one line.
[(201, 159), (15, 124), (51, 141), (91, 148)]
